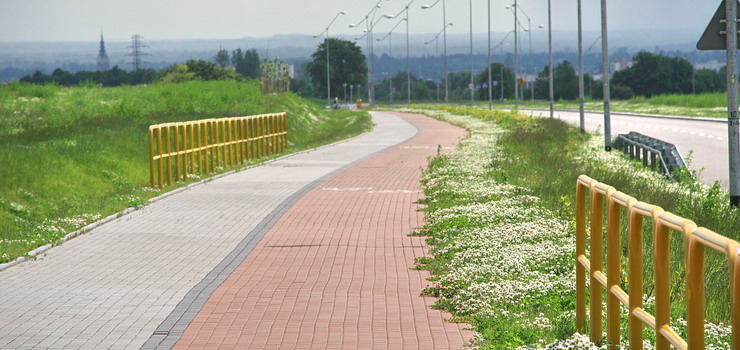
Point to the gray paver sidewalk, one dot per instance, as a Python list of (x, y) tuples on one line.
[(113, 287)]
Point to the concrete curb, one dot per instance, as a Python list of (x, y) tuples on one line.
[(32, 255), (657, 116)]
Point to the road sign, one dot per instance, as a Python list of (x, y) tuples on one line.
[(714, 36), (471, 86), (520, 81), (358, 86)]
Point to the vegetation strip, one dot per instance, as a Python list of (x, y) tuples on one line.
[(93, 142), (501, 220)]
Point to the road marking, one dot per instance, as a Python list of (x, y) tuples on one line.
[(702, 135), (721, 138)]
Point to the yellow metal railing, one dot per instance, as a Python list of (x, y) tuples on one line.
[(181, 149), (695, 239)]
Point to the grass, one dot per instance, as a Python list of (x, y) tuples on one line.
[(73, 155), (708, 105), (500, 213)]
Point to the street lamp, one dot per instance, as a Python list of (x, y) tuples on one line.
[(549, 59), (436, 55), (501, 74), (581, 114), (369, 24), (488, 64), (444, 30), (328, 76), (472, 82), (408, 69), (390, 55), (528, 30), (605, 78), (516, 56)]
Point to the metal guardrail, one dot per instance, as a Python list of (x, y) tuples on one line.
[(203, 145), (651, 150), (696, 239)]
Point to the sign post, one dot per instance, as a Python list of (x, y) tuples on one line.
[(722, 34)]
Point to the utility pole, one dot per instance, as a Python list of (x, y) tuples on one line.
[(580, 70), (733, 123), (605, 78)]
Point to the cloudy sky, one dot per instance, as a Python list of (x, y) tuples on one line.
[(83, 20)]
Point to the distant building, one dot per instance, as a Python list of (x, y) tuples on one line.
[(620, 64), (103, 62), (712, 65)]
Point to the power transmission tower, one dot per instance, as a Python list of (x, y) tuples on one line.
[(136, 51)]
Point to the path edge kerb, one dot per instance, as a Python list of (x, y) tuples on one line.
[(32, 255), (171, 329)]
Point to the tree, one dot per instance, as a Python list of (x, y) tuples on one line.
[(708, 81), (565, 83), (420, 90), (346, 65), (222, 58), (246, 63), (656, 74), (497, 70)]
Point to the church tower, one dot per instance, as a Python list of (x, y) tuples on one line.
[(103, 63)]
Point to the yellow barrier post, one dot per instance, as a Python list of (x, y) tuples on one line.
[(151, 156), (194, 147), (583, 185), (597, 218), (160, 161), (177, 153), (168, 150)]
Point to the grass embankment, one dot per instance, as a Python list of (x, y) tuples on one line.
[(501, 220), (709, 105), (72, 155)]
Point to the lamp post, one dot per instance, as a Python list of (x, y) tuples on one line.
[(605, 78), (582, 117), (444, 30), (369, 24), (408, 69), (490, 79), (328, 76), (436, 55), (472, 82), (549, 60), (501, 74), (529, 31), (390, 55)]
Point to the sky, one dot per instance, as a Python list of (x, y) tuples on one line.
[(84, 20)]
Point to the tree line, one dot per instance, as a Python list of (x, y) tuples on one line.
[(651, 74), (237, 65)]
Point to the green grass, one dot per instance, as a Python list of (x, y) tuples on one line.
[(530, 166), (708, 105), (72, 155)]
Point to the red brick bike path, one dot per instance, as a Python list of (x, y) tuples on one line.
[(334, 271)]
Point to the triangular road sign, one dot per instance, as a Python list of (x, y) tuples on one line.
[(712, 39)]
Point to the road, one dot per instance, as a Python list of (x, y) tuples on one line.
[(707, 140)]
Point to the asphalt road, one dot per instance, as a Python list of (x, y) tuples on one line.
[(707, 140)]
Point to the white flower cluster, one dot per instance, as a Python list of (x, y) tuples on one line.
[(507, 248), (576, 342)]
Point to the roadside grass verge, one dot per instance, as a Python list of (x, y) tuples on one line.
[(73, 155), (709, 105), (500, 217)]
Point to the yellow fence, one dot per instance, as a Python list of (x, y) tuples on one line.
[(695, 239), (180, 149)]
